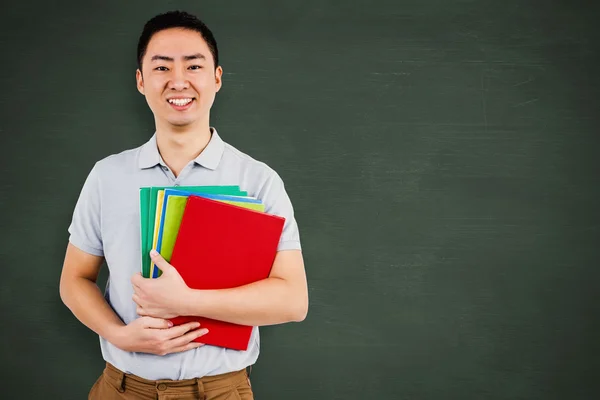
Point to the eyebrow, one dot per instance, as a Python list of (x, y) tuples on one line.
[(196, 56)]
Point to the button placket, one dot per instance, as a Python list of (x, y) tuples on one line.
[(168, 173), (184, 172)]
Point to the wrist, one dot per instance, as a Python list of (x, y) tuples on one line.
[(190, 302), (114, 335)]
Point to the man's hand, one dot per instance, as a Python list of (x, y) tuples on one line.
[(157, 336), (161, 297)]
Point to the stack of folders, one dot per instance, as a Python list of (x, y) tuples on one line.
[(217, 237)]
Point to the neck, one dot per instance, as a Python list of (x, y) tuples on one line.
[(178, 145)]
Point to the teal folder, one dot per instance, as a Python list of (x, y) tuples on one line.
[(148, 196)]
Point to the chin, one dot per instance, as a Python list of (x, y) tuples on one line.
[(180, 123)]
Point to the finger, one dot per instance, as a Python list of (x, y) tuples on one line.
[(180, 330), (137, 299), (141, 312), (136, 279), (188, 337), (138, 287), (189, 346), (157, 323)]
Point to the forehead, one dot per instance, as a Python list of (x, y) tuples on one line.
[(176, 42)]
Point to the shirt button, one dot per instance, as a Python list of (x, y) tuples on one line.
[(176, 184), (162, 386), (164, 168)]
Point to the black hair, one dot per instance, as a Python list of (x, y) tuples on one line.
[(175, 19)]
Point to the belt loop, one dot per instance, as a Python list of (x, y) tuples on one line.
[(201, 393), (121, 382), (248, 373)]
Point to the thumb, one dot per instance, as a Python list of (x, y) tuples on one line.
[(159, 261)]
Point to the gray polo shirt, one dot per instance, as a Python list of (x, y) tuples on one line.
[(106, 222)]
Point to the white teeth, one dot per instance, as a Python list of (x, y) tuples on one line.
[(180, 102)]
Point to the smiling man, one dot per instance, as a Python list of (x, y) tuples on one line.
[(147, 358)]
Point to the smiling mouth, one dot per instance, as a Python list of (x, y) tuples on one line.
[(181, 103)]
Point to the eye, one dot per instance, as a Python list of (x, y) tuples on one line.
[(195, 67), (159, 69)]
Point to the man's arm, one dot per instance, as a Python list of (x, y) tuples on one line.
[(280, 298), (81, 294)]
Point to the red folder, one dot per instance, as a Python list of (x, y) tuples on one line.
[(222, 246)]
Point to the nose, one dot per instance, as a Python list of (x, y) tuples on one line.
[(178, 80)]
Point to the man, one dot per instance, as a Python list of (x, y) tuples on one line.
[(146, 358)]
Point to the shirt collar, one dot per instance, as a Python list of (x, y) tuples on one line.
[(209, 158)]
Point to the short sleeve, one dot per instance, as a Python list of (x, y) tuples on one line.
[(277, 202), (85, 229)]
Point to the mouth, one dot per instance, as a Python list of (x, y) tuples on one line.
[(181, 104)]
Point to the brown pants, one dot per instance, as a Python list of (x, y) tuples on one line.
[(114, 384)]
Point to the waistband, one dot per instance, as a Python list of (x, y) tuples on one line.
[(204, 384)]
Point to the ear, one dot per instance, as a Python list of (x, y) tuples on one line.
[(218, 78), (139, 81)]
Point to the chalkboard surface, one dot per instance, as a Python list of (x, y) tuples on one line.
[(441, 156)]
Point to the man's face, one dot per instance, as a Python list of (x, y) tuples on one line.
[(178, 77)]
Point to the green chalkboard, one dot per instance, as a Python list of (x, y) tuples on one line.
[(441, 156)]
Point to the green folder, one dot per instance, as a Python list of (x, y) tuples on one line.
[(148, 197), (144, 211)]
